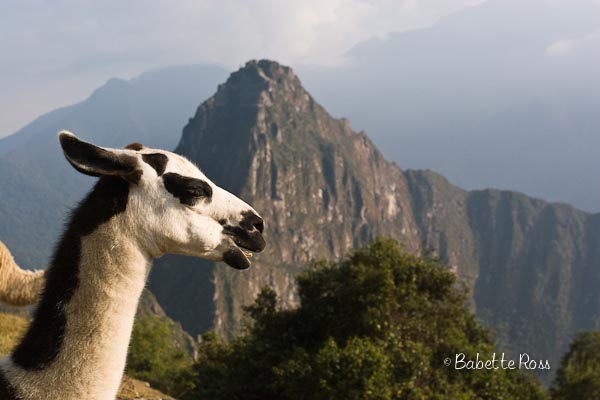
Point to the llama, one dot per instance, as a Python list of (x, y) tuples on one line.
[(18, 287), (146, 203)]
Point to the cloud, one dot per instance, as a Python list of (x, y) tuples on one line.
[(561, 47), (55, 53), (227, 31)]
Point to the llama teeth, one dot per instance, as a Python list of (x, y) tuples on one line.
[(247, 254)]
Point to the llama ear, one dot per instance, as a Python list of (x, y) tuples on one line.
[(98, 161)]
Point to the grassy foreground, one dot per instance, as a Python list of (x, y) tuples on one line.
[(11, 329)]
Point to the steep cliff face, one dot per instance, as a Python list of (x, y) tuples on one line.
[(323, 189), (533, 266), (539, 270), (264, 137), (440, 211)]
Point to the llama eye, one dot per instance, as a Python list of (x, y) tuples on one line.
[(187, 190)]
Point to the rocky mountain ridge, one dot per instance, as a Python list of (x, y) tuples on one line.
[(323, 189)]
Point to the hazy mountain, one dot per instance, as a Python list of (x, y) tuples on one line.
[(38, 185), (263, 137), (504, 94), (323, 188)]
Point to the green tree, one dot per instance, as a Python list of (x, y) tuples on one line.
[(154, 358), (377, 326), (579, 374)]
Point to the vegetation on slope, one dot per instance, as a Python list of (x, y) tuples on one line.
[(378, 326), (579, 373), (160, 351), (155, 358)]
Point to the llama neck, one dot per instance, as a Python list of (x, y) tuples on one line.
[(76, 346), (112, 278), (99, 320)]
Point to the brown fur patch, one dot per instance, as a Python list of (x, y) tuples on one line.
[(134, 146), (18, 287)]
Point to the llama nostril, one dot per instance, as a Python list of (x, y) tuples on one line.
[(251, 222), (259, 225)]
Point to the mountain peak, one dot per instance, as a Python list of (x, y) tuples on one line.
[(322, 187), (272, 74), (260, 106), (261, 83), (262, 136), (268, 70)]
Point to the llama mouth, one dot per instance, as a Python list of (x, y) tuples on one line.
[(237, 257), (245, 250), (241, 250)]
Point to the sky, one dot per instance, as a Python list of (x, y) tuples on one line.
[(56, 53)]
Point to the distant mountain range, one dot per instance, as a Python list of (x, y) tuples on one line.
[(323, 189), (504, 94)]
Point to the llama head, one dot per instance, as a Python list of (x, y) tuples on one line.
[(172, 207)]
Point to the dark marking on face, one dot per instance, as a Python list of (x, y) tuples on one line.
[(7, 392), (236, 259), (222, 221), (158, 161), (187, 190), (135, 146), (44, 338), (249, 232)]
